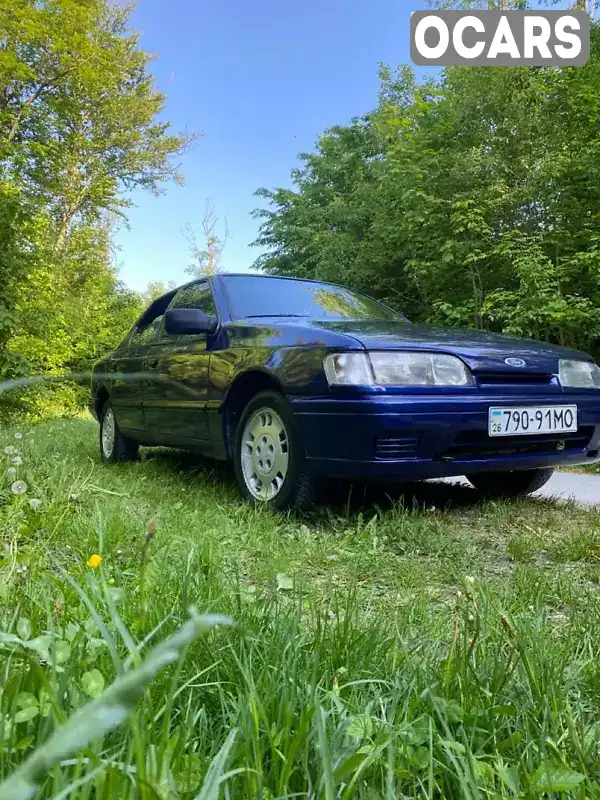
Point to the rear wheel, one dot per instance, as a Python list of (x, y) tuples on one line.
[(113, 445), (269, 460), (517, 483)]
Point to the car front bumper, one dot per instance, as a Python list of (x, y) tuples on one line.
[(417, 437)]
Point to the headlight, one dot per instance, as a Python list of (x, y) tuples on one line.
[(396, 369), (579, 374)]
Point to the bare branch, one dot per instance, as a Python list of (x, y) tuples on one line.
[(207, 255)]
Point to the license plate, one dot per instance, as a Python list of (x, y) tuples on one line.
[(518, 421)]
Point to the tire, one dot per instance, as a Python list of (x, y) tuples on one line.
[(114, 446), (517, 483), (269, 461)]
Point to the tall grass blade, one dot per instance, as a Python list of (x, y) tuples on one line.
[(216, 772), (101, 716), (325, 754)]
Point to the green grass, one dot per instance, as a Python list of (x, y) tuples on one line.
[(387, 646), (592, 468)]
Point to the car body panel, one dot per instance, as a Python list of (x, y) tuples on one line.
[(360, 432), (425, 436), (480, 350), (127, 387), (177, 390)]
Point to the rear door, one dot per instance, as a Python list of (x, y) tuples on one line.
[(128, 383), (178, 377)]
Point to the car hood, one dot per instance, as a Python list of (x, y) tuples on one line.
[(479, 349)]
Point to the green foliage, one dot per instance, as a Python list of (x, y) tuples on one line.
[(383, 649), (79, 128), (471, 201), (156, 289)]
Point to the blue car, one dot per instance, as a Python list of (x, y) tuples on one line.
[(296, 381)]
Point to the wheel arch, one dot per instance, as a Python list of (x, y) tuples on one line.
[(239, 394), (100, 398)]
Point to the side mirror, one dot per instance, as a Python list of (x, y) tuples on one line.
[(188, 321)]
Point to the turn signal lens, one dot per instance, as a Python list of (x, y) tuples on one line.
[(348, 369)]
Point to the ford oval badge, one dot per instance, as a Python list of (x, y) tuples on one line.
[(514, 362)]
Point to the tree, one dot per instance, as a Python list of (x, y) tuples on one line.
[(79, 129), (156, 289), (207, 254), (320, 230), (79, 110), (591, 6), (472, 200)]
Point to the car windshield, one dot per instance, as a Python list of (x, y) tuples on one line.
[(258, 296)]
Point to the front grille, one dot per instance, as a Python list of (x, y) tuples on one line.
[(396, 445), (477, 444), (515, 378)]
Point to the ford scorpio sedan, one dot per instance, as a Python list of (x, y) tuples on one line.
[(295, 381)]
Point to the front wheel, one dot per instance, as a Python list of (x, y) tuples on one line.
[(517, 483), (113, 445), (269, 460)]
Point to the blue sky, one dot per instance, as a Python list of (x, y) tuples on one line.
[(262, 80)]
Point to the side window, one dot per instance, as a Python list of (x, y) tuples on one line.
[(198, 295), (147, 334)]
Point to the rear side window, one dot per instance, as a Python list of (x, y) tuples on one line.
[(198, 295), (147, 334)]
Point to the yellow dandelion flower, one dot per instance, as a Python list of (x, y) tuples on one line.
[(94, 561)]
